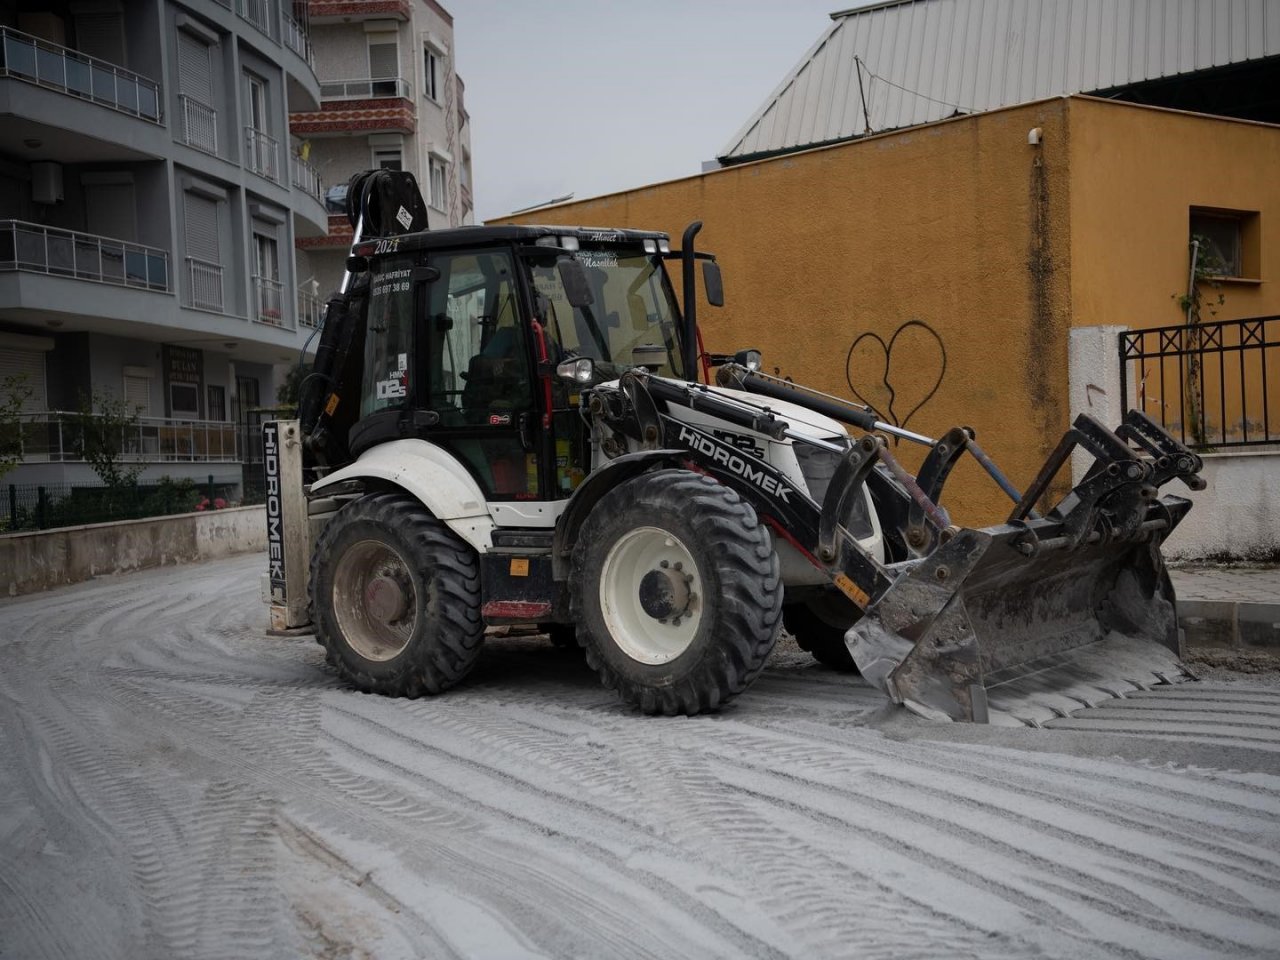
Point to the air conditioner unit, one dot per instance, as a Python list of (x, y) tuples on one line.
[(46, 182)]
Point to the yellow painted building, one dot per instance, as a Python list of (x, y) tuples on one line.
[(936, 272)]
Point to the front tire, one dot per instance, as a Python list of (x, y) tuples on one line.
[(676, 592), (395, 598)]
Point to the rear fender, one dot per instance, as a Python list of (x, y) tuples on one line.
[(431, 475)]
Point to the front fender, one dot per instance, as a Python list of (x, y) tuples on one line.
[(431, 475), (599, 482)]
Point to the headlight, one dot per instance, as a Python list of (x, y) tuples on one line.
[(579, 370)]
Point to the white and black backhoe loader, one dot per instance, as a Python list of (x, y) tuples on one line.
[(517, 425)]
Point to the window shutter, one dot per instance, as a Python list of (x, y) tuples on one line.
[(384, 61), (31, 365), (137, 394), (101, 35), (202, 228), (194, 71)]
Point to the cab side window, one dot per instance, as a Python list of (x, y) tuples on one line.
[(480, 367)]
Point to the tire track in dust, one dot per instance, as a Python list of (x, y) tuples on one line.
[(506, 798)]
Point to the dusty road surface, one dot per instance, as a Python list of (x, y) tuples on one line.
[(173, 784)]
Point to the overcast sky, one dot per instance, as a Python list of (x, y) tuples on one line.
[(593, 96)]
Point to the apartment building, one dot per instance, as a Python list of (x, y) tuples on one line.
[(390, 97), (150, 202)]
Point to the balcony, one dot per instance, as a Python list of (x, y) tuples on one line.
[(204, 285), (53, 436), (259, 13), (346, 11), (366, 89), (366, 105), (262, 154), (310, 309), (268, 300), (67, 253), (45, 64), (199, 124), (304, 176)]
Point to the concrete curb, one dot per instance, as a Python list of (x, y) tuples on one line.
[(1230, 624)]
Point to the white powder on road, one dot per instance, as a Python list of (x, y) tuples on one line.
[(173, 783)]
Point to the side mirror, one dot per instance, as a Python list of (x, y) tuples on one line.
[(573, 277), (712, 281)]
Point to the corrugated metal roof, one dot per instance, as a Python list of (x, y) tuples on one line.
[(924, 60)]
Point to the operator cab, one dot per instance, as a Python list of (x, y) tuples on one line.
[(466, 328)]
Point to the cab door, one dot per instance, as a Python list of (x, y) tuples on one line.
[(477, 369)]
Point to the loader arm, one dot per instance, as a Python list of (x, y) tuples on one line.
[(1019, 621)]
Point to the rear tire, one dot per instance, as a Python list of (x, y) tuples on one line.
[(395, 598), (676, 592), (819, 626)]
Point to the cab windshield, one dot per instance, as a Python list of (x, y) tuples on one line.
[(633, 306)]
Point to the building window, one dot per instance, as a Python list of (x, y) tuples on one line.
[(1228, 242), (384, 67), (432, 74), (217, 402), (203, 261), (388, 158), (437, 172), (268, 290), (195, 93), (184, 401)]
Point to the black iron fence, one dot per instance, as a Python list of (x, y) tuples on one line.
[(29, 506), (1213, 385)]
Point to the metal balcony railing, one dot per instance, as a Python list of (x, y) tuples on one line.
[(59, 68), (296, 39), (257, 12), (304, 176), (199, 124), (366, 89), (205, 281), (262, 154), (268, 299), (34, 248), (55, 436), (310, 309)]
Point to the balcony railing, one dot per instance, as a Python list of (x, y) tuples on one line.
[(310, 309), (55, 436), (304, 176), (67, 253), (268, 299), (205, 285), (59, 68), (296, 39), (199, 124), (366, 89), (257, 12), (262, 153)]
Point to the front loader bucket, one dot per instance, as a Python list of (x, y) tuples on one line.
[(979, 631)]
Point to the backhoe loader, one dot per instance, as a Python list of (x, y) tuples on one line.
[(518, 425)]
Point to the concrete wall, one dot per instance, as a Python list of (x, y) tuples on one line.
[(1237, 516), (30, 562)]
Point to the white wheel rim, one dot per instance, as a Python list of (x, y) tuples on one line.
[(636, 632)]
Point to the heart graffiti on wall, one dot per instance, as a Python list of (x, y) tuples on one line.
[(899, 375)]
